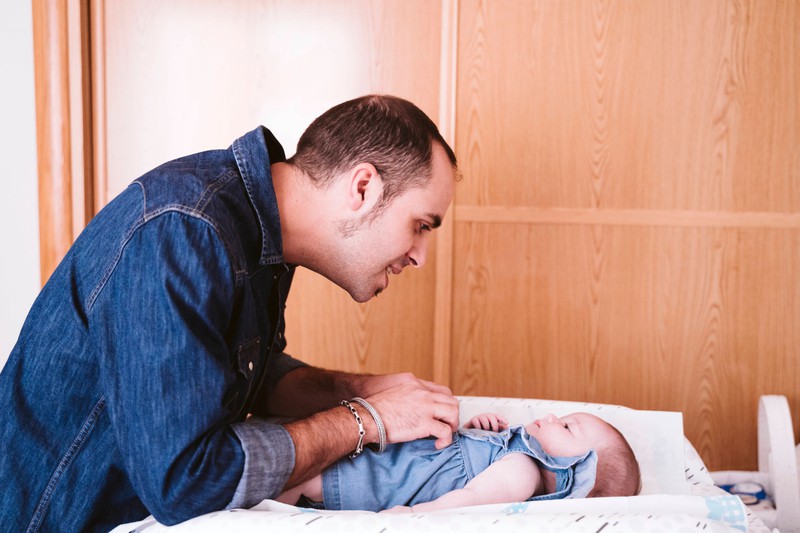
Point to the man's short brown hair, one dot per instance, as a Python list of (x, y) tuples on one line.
[(391, 133)]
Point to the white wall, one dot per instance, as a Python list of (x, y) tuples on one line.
[(19, 211)]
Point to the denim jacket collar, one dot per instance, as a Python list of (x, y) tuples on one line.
[(254, 153)]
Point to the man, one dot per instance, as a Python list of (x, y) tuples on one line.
[(129, 390)]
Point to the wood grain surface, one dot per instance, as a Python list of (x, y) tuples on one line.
[(700, 320), (627, 230)]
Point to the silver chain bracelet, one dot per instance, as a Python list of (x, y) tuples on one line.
[(361, 432)]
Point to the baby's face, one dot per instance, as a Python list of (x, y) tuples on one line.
[(570, 435)]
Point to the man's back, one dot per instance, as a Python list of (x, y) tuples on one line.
[(180, 244)]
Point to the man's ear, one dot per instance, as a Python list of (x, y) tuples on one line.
[(364, 187)]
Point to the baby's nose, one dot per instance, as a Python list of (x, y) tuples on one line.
[(550, 417)]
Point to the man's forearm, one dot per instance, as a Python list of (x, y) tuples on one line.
[(325, 437), (329, 431), (409, 408), (308, 390)]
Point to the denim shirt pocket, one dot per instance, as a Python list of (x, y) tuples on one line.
[(248, 355)]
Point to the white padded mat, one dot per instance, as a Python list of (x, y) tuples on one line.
[(656, 437), (678, 493)]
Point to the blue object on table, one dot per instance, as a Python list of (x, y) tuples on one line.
[(749, 491)]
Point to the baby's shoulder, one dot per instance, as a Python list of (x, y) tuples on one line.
[(519, 458)]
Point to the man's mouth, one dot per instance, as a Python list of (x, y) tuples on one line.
[(386, 271)]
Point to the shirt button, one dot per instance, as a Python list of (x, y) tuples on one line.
[(250, 365)]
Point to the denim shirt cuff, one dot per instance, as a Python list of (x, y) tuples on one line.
[(268, 461)]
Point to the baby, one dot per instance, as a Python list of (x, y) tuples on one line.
[(574, 456)]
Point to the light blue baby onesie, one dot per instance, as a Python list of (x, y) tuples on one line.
[(416, 472)]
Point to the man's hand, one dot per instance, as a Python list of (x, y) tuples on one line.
[(308, 390), (411, 408), (488, 421), (366, 385)]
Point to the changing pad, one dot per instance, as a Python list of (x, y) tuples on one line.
[(677, 494)]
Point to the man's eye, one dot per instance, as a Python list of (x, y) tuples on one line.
[(424, 227)]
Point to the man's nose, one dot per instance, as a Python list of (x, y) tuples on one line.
[(419, 252)]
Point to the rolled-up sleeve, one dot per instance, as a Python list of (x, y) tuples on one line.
[(268, 461)]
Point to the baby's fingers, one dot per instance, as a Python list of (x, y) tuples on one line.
[(502, 423), (488, 421)]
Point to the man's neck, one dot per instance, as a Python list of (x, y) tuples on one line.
[(302, 211)]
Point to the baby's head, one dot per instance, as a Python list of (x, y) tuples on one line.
[(575, 434)]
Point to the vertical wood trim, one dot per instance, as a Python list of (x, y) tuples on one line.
[(98, 87), (51, 75), (443, 316), (80, 103), (63, 125)]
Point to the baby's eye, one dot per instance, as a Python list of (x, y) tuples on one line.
[(566, 426)]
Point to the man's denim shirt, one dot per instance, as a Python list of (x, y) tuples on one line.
[(127, 392)]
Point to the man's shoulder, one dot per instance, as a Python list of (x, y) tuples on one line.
[(188, 183)]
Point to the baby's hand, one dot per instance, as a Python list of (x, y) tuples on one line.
[(488, 421), (398, 509)]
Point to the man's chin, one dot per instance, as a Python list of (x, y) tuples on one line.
[(361, 295)]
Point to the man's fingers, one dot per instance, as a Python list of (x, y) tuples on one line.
[(417, 409), (443, 434), (446, 410), (437, 387)]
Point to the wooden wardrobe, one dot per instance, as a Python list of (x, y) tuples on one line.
[(628, 226)]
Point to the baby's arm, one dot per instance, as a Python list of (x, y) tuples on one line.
[(514, 478), (488, 421)]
